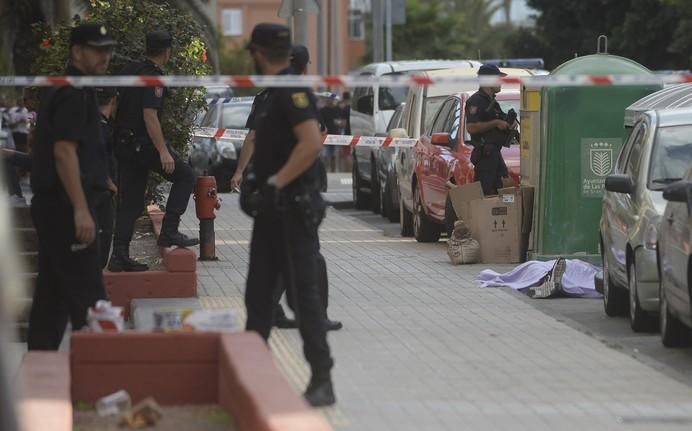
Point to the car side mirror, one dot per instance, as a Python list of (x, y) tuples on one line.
[(619, 184), (680, 191), (440, 139), (365, 104)]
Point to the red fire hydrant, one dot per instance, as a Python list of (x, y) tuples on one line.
[(206, 201)]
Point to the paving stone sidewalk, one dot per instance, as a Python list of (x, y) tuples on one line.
[(423, 348)]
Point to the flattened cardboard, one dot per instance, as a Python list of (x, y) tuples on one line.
[(461, 197)]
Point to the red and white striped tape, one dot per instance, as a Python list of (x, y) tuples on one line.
[(337, 140), (340, 80)]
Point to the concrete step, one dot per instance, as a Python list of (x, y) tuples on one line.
[(21, 217), (27, 239), (30, 260)]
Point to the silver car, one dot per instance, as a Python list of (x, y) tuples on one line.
[(675, 260), (385, 161), (657, 152)]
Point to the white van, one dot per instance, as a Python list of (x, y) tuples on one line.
[(370, 115)]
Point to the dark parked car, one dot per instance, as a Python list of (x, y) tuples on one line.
[(219, 156)]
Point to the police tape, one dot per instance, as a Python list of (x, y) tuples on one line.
[(336, 140), (351, 81)]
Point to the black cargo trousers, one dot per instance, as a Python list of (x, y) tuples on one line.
[(70, 277), (133, 173), (287, 245), (489, 167)]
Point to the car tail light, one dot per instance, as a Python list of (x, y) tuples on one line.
[(651, 237)]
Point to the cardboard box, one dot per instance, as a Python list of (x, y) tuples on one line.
[(497, 226), (501, 224)]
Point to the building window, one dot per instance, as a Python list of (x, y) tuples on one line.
[(356, 24), (232, 22)]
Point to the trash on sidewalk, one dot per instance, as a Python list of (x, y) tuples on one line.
[(213, 320), (146, 413), (105, 317), (114, 404), (461, 248), (170, 320), (542, 279)]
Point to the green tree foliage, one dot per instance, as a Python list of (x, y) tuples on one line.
[(651, 32), (128, 21)]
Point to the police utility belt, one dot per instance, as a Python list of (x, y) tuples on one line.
[(299, 198)]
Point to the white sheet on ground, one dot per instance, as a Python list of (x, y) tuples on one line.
[(578, 280)]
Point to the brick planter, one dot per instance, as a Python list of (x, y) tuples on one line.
[(234, 370), (179, 280)]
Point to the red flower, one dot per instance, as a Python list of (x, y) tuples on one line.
[(46, 43), (204, 56)]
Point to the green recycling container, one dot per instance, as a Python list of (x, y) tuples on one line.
[(581, 134)]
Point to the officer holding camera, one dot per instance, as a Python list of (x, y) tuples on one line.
[(282, 194), (490, 129)]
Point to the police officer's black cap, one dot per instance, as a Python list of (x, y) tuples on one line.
[(270, 36), (490, 69), (158, 39), (300, 56), (91, 34)]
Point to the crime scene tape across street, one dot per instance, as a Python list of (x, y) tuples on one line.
[(337, 140), (339, 80)]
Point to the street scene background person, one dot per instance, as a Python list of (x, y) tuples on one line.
[(489, 133), (141, 147), (69, 174), (288, 209)]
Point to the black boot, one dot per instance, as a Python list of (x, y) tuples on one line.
[(334, 325), (281, 320), (121, 261), (170, 235), (320, 392)]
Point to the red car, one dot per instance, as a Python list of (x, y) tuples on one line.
[(445, 156)]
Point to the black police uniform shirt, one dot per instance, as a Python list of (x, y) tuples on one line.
[(259, 98), (133, 100), (69, 114), (274, 121), (481, 108)]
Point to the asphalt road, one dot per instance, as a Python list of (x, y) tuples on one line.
[(585, 315)]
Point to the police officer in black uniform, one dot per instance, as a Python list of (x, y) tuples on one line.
[(140, 148), (69, 174), (300, 57), (489, 130), (288, 209), (105, 209)]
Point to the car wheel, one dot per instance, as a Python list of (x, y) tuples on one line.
[(423, 229), (360, 199), (374, 189), (406, 219), (671, 329), (388, 200), (640, 320), (450, 217), (612, 295)]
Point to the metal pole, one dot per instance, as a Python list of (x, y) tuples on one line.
[(388, 18), (377, 54), (300, 23), (336, 37), (321, 36)]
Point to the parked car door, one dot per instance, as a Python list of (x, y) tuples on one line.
[(442, 157), (623, 208)]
